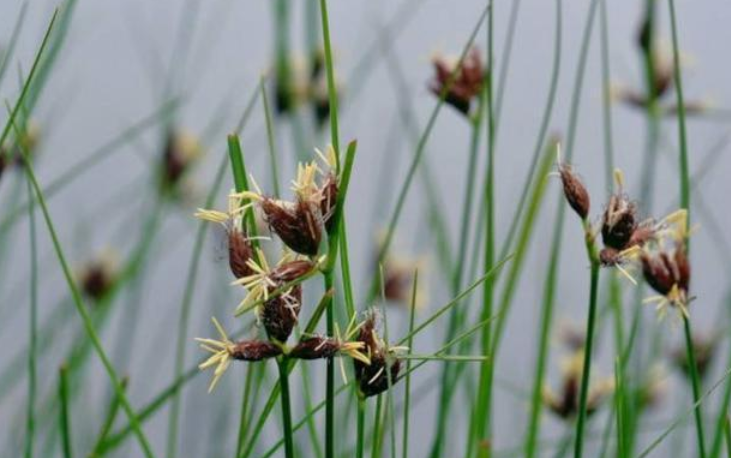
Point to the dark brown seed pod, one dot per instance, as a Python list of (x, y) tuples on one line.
[(298, 225), (240, 251), (619, 222), (254, 350), (315, 348), (373, 378), (575, 191), (291, 271), (665, 271), (280, 314)]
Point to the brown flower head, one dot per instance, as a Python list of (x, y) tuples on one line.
[(240, 248), (225, 350), (319, 347), (374, 378), (265, 284), (280, 314), (299, 224), (573, 189), (466, 84), (667, 270)]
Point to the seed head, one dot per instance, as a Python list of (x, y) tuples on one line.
[(667, 271), (318, 347), (373, 377), (240, 251), (225, 350), (466, 84), (280, 314), (619, 222), (265, 282), (574, 190)]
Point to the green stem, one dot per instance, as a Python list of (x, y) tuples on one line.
[(696, 385), (590, 325), (360, 444), (685, 203), (184, 318), (32, 353), (286, 409), (64, 418), (84, 314)]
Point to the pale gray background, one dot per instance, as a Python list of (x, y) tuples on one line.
[(104, 82)]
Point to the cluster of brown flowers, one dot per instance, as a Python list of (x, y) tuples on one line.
[(460, 83), (275, 292), (658, 245)]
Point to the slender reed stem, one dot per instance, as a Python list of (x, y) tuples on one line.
[(727, 434), (360, 444), (64, 417), (32, 353), (407, 383), (696, 386), (590, 325), (685, 204), (83, 312), (286, 409)]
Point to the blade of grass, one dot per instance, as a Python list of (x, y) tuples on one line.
[(401, 200), (313, 321), (270, 138), (593, 256), (407, 382), (459, 339), (685, 204), (87, 164), (33, 331), (21, 102), (108, 423), (333, 247), (84, 314), (64, 417), (680, 419), (491, 347)]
